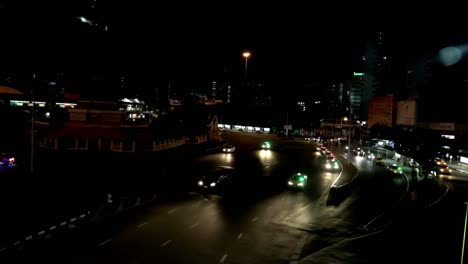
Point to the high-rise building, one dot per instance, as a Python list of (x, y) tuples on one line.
[(355, 92), (221, 89)]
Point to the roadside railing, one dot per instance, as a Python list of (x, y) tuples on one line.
[(115, 145)]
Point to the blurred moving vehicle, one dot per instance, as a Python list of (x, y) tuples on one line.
[(7, 161), (439, 161), (215, 180), (266, 145), (229, 148), (359, 152), (441, 169), (395, 168), (332, 163), (379, 161), (298, 181)]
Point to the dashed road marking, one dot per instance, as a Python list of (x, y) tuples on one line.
[(63, 223), (142, 224), (104, 242), (28, 238), (73, 219), (194, 225), (166, 243), (16, 243), (82, 216), (240, 235), (42, 232), (2, 249), (223, 258), (52, 228), (172, 211), (255, 219)]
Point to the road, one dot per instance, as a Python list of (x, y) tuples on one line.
[(261, 222)]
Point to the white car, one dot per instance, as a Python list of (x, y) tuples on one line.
[(229, 148)]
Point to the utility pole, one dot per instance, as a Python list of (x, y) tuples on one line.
[(32, 123), (349, 131)]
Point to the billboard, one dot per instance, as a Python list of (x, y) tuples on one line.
[(406, 113), (380, 111)]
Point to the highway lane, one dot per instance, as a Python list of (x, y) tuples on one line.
[(261, 221)]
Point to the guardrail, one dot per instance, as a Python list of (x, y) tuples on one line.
[(115, 145)]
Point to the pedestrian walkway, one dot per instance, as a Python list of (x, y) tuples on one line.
[(458, 166)]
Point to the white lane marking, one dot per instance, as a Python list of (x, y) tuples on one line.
[(63, 223), (240, 235), (223, 258), (194, 225), (142, 224), (82, 216), (41, 232), (2, 249), (255, 219), (105, 242), (171, 211), (271, 206), (73, 220), (266, 167), (16, 243), (52, 228), (165, 243), (28, 238)]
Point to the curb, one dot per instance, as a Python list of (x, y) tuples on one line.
[(334, 186)]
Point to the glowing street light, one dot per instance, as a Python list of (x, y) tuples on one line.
[(246, 55), (85, 20)]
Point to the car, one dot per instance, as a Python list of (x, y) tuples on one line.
[(370, 156), (359, 152), (379, 161), (298, 180), (266, 145), (395, 168), (228, 148), (215, 180), (442, 169), (7, 161), (331, 163), (323, 149), (439, 161)]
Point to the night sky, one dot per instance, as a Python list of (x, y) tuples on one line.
[(163, 42)]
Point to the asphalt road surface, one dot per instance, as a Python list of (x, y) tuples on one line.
[(259, 221)]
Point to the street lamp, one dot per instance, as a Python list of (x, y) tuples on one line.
[(246, 55)]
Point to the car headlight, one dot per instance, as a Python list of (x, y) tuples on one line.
[(300, 184), (200, 183), (213, 184), (328, 166), (290, 183)]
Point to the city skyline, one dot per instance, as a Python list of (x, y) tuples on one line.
[(152, 48)]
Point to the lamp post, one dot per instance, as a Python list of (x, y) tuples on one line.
[(32, 122), (246, 55)]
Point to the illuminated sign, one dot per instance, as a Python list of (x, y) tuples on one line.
[(448, 136), (442, 126), (358, 73)]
